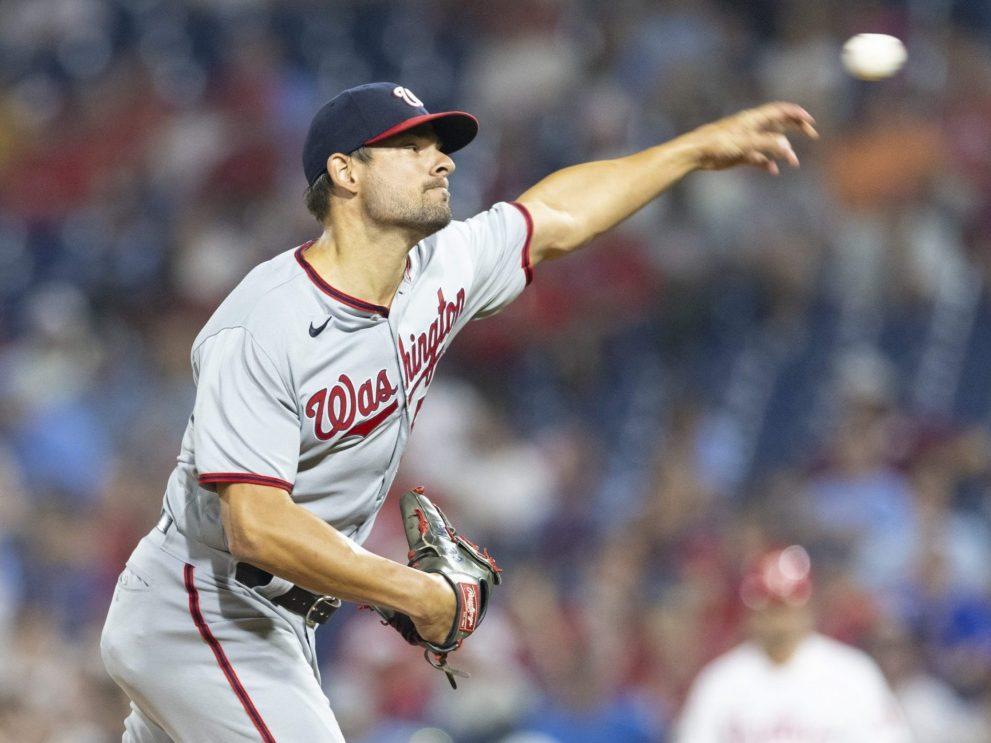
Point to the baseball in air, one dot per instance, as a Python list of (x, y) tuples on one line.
[(873, 56)]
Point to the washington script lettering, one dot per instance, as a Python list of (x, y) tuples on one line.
[(342, 404), (426, 349)]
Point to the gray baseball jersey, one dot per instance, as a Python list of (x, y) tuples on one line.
[(302, 387)]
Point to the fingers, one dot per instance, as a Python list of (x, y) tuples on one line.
[(764, 163), (781, 116), (772, 120), (783, 150), (766, 149), (756, 137)]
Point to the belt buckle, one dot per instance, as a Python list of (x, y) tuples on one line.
[(165, 522), (333, 603)]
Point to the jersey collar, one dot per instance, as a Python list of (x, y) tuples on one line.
[(354, 302)]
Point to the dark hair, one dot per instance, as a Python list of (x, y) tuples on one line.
[(317, 196)]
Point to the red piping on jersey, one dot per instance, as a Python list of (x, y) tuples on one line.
[(358, 304), (222, 660), (525, 258), (209, 478), (367, 426)]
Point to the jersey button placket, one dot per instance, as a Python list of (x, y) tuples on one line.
[(399, 307), (403, 432)]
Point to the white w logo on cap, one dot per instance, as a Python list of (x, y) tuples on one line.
[(407, 95)]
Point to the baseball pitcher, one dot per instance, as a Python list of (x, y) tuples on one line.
[(309, 377)]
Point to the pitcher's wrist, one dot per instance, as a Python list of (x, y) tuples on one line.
[(432, 600)]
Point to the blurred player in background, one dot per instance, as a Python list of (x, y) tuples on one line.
[(788, 682)]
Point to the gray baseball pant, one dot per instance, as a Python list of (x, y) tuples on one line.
[(205, 658)]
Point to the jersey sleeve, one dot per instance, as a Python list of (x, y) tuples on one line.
[(499, 242), (245, 422)]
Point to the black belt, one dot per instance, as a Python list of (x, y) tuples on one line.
[(315, 609)]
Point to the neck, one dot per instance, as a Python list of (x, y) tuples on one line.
[(781, 649), (362, 259)]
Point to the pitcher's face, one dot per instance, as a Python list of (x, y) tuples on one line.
[(405, 183)]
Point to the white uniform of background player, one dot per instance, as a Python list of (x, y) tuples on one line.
[(306, 396), (789, 684)]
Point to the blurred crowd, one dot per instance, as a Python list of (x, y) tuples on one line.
[(750, 361)]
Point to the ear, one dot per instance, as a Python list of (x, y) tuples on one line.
[(342, 174)]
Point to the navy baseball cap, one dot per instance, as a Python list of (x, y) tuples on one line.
[(367, 114)]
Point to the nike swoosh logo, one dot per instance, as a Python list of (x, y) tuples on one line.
[(314, 332)]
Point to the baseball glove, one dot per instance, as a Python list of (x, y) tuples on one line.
[(435, 547)]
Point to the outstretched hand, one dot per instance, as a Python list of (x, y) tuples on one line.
[(756, 136)]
